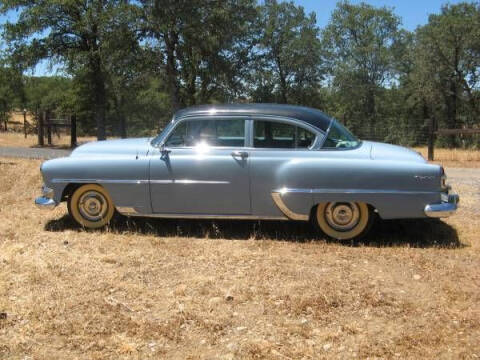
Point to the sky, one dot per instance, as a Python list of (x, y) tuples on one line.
[(412, 13)]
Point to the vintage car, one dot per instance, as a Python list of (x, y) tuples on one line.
[(249, 161)]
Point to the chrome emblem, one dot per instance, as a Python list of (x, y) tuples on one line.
[(418, 177)]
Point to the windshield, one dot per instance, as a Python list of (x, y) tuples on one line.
[(339, 137)]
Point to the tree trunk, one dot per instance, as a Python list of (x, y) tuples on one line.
[(122, 121), (283, 82), (451, 103), (123, 126), (171, 39), (100, 98), (73, 131), (370, 109), (97, 79)]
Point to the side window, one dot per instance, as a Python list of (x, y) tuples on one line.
[(212, 132), (278, 135)]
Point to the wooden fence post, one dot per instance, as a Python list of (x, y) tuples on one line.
[(40, 128), (49, 127), (431, 138), (25, 122), (73, 130)]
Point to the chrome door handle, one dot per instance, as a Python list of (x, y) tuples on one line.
[(240, 154)]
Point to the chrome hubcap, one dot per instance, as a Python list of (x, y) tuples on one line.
[(342, 216), (92, 206)]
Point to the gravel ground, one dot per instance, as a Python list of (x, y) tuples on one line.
[(32, 153)]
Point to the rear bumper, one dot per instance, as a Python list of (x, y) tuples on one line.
[(446, 208), (46, 201)]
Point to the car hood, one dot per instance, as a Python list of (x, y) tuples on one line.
[(137, 146), (381, 151)]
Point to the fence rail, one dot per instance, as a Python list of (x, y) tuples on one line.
[(457, 132)]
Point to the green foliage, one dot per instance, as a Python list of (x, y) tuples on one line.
[(447, 65), (202, 47), (126, 66), (11, 88), (287, 68), (360, 44)]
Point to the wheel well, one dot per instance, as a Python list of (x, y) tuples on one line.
[(69, 189)]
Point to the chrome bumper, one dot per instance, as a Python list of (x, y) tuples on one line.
[(447, 207), (46, 201)]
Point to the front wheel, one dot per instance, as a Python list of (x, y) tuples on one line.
[(91, 206), (344, 220)]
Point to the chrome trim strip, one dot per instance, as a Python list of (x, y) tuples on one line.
[(126, 210), (350, 191), (201, 216), (277, 199), (99, 181), (161, 181), (114, 181), (187, 181)]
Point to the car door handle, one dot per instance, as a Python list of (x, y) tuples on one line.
[(240, 154)]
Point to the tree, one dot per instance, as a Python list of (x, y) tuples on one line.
[(11, 89), (202, 46), (447, 65), (360, 44), (288, 55), (73, 33)]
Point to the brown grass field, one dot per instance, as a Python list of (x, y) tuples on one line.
[(17, 139), (182, 289)]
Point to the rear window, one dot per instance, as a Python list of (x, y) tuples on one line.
[(279, 135)]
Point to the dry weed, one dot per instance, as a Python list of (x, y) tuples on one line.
[(271, 290)]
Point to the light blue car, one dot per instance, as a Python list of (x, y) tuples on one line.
[(249, 161)]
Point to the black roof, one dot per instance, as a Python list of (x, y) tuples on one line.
[(312, 116)]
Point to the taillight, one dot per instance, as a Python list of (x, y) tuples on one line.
[(443, 179)]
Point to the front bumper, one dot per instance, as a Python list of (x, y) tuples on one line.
[(46, 201), (447, 207)]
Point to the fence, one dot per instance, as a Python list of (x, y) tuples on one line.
[(46, 124), (418, 135)]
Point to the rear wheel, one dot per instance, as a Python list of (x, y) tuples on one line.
[(91, 206), (344, 220)]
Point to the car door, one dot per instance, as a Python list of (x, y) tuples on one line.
[(278, 147), (202, 168)]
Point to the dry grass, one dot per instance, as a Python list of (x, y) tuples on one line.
[(453, 157), (18, 139), (231, 290)]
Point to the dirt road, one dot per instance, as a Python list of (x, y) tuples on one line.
[(32, 153)]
